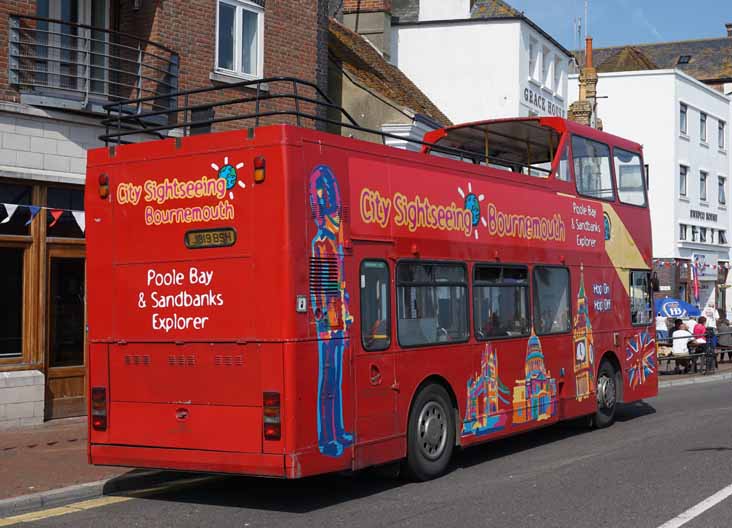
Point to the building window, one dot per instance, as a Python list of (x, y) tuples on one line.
[(694, 233), (375, 316), (592, 168), (500, 301), (682, 118), (720, 133), (683, 170), (11, 302), (67, 200), (684, 59), (703, 127), (432, 303), (239, 38), (721, 193), (545, 62), (703, 186), (682, 232), (703, 234), (551, 300), (532, 58), (722, 237), (640, 297), (629, 172), (558, 76)]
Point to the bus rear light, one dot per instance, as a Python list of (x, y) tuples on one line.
[(99, 408), (259, 169), (271, 416), (103, 185)]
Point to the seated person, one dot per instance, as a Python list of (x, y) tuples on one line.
[(700, 330), (681, 338)]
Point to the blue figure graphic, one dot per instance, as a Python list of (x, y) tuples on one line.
[(228, 172), (329, 301), (473, 205), (606, 222)]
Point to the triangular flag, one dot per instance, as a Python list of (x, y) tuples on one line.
[(80, 219), (10, 209), (34, 209), (55, 214)]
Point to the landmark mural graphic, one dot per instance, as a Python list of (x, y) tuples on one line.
[(535, 396), (485, 393), (584, 347), (640, 353), (329, 301)]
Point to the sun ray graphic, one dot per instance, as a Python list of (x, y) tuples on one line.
[(461, 193), (214, 166)]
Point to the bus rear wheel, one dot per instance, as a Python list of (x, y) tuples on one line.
[(607, 394), (430, 434)]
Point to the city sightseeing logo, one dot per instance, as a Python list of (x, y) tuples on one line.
[(472, 204), (154, 191)]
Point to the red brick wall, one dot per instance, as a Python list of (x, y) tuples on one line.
[(7, 8), (365, 6), (295, 40)]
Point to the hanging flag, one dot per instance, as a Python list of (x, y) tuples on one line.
[(10, 210), (34, 209), (55, 214), (80, 219)]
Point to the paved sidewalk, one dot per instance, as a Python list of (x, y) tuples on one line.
[(48, 456), (669, 378)]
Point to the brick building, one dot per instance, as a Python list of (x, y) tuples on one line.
[(61, 62)]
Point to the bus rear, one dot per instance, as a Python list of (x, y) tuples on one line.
[(185, 370)]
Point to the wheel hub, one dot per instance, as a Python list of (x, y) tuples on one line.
[(432, 428), (606, 392)]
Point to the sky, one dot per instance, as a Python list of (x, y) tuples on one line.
[(616, 22)]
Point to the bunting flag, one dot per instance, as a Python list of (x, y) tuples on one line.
[(80, 219), (55, 214), (34, 210), (10, 210)]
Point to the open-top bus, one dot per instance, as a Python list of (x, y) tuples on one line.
[(282, 301)]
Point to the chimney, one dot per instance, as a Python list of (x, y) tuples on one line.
[(588, 52), (584, 110), (728, 25), (372, 20)]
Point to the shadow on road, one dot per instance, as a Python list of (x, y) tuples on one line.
[(314, 493)]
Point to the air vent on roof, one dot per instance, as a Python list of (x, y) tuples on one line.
[(684, 59)]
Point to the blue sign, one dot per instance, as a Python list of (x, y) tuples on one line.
[(676, 308)]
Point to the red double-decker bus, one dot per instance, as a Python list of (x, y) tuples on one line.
[(283, 301)]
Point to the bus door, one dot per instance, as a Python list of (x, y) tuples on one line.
[(374, 364)]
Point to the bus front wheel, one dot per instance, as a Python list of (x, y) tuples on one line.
[(607, 394), (430, 434)]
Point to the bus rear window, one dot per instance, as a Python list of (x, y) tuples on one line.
[(629, 172), (592, 168)]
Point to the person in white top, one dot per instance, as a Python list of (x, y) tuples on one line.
[(661, 329), (681, 338), (710, 312)]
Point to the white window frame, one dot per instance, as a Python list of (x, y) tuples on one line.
[(683, 123), (558, 76), (533, 56), (241, 5), (722, 185), (721, 133), (684, 188), (546, 62), (703, 118), (703, 176)]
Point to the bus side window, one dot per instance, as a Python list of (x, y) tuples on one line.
[(500, 301), (375, 305), (592, 172), (432, 303), (551, 300), (640, 297), (562, 172)]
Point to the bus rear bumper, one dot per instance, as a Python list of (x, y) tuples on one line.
[(188, 460)]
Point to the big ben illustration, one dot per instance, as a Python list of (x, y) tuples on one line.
[(584, 348)]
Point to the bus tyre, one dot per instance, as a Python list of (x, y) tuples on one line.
[(607, 392), (430, 434)]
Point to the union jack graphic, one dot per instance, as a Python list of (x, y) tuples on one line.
[(640, 352)]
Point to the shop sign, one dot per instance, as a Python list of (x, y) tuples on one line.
[(542, 104), (701, 215)]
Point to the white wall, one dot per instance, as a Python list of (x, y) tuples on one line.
[(469, 70), (444, 9)]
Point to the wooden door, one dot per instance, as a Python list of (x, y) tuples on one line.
[(66, 345)]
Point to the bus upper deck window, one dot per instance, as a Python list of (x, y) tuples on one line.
[(592, 168), (562, 172), (629, 172)]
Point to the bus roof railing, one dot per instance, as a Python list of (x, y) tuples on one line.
[(129, 120)]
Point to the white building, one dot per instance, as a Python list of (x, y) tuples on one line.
[(683, 125), (479, 62)]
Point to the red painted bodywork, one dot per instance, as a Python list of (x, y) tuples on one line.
[(191, 398)]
